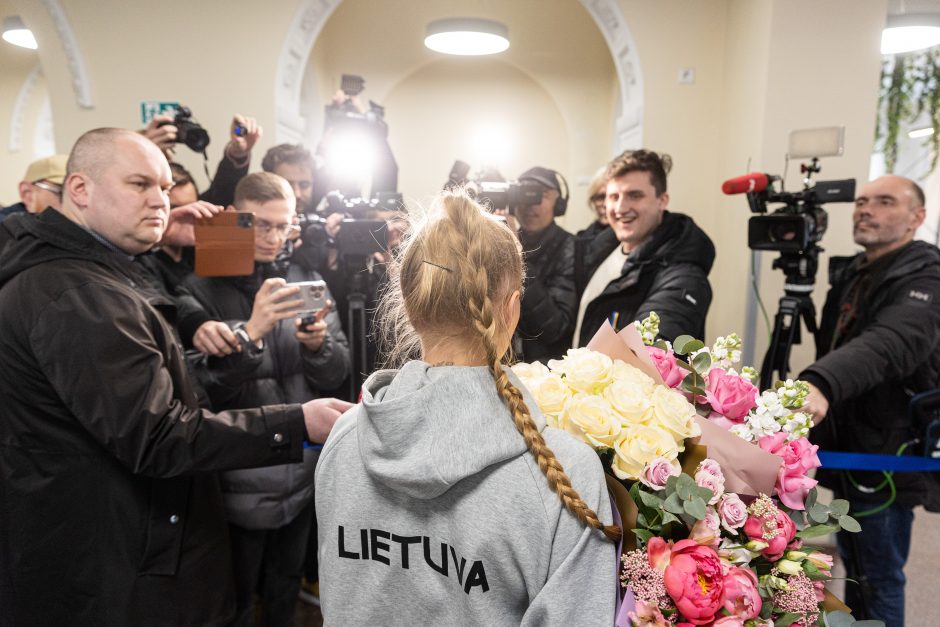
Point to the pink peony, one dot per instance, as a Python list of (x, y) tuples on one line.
[(709, 475), (732, 511), (669, 368), (741, 596), (776, 531), (694, 581), (799, 457), (730, 395), (657, 472)]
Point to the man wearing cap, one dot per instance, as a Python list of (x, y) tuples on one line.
[(549, 302), (40, 188)]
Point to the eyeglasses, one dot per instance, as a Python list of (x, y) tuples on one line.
[(49, 187), (283, 230)]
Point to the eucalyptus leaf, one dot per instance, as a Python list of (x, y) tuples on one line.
[(849, 524), (816, 530), (694, 345), (695, 508), (811, 498), (787, 619), (651, 500), (819, 513), (839, 619), (702, 362), (669, 517), (684, 365), (641, 520), (642, 534), (679, 345), (661, 345), (673, 504), (703, 493), (671, 483), (839, 507)]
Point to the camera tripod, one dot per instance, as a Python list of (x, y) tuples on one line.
[(796, 305), (357, 322)]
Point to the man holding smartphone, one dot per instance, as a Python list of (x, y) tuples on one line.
[(280, 358)]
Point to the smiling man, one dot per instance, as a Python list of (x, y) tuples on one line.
[(651, 259), (108, 483), (877, 347)]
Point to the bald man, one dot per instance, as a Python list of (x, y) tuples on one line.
[(111, 509), (878, 345)]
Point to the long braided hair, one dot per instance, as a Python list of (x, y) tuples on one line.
[(454, 266)]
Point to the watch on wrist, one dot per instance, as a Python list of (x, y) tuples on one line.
[(255, 346)]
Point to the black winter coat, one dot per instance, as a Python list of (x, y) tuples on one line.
[(110, 507), (549, 302), (282, 372), (667, 274), (890, 354)]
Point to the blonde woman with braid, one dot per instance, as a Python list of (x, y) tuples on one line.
[(442, 498)]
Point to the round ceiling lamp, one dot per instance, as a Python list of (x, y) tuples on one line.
[(910, 32), (466, 36), (16, 33)]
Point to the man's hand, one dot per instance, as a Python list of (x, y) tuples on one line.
[(321, 414), (244, 133), (313, 335), (180, 226), (271, 306), (333, 223), (511, 221), (816, 404), (215, 338), (163, 136)]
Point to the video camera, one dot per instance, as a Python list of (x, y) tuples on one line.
[(489, 188), (801, 222), (188, 131), (360, 234)]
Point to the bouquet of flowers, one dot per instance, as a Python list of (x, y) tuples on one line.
[(720, 505)]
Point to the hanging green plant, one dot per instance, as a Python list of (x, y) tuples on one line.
[(910, 87)]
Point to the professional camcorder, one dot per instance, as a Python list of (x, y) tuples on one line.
[(489, 188), (188, 131), (345, 115)]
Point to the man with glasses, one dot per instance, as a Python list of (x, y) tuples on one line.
[(279, 358), (40, 188), (550, 302)]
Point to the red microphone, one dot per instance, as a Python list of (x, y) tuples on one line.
[(753, 182)]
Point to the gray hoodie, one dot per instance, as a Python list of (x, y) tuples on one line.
[(431, 511)]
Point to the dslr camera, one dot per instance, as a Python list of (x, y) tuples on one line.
[(189, 131), (345, 115)]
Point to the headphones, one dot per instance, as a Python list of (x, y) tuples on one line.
[(561, 203)]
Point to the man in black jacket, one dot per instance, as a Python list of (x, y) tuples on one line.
[(651, 260), (108, 483), (549, 300), (877, 347)]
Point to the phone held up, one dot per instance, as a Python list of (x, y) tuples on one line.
[(313, 294)]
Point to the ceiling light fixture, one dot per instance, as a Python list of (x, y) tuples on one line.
[(466, 36), (910, 32), (16, 33), (920, 132)]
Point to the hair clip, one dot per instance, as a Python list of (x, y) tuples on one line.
[(431, 263)]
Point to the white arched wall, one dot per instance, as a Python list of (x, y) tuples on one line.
[(312, 15)]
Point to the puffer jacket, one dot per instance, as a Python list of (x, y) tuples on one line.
[(283, 371), (667, 274), (889, 354), (110, 506), (549, 303)]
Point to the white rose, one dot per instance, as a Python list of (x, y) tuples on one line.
[(622, 371), (673, 412), (630, 400), (526, 371), (638, 447), (550, 392), (591, 419), (585, 370)]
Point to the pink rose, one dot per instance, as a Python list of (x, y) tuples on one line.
[(657, 472), (709, 475), (741, 597), (799, 457), (732, 511), (777, 532), (708, 530), (694, 581), (669, 368), (730, 395)]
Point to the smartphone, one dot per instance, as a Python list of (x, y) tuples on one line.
[(313, 294), (225, 244)]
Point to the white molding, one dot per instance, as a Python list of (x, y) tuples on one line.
[(20, 106), (308, 21), (628, 127), (73, 54), (44, 132)]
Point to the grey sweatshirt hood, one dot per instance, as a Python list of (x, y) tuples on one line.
[(406, 443)]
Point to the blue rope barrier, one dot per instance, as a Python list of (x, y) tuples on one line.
[(833, 460)]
